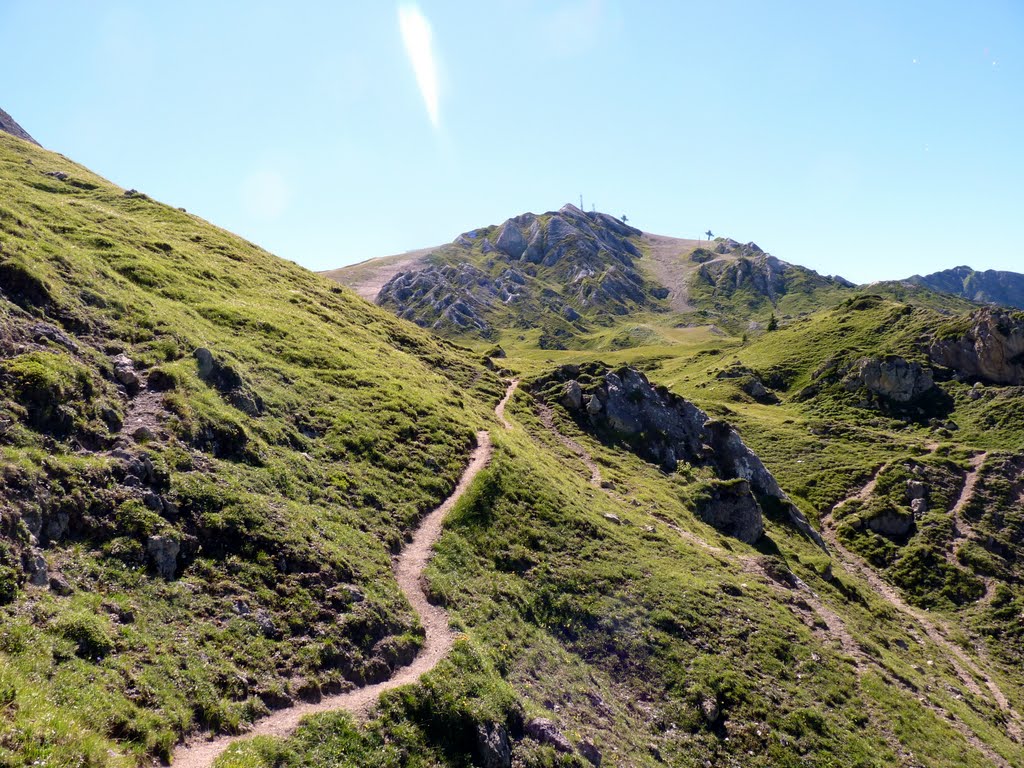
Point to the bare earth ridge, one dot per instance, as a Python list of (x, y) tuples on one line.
[(409, 566)]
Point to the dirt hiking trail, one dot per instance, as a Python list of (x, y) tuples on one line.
[(965, 667), (408, 566)]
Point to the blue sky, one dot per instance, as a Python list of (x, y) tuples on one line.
[(868, 139)]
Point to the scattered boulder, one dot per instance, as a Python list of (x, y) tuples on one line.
[(590, 752), (891, 522), (709, 709), (891, 377), (493, 745), (60, 585), (546, 732), (916, 489), (36, 568), (573, 397), (124, 372), (226, 380), (163, 554)]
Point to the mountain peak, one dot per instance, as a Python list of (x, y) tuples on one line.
[(8, 125)]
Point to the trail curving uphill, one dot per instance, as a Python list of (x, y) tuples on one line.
[(408, 566), (965, 667), (499, 409), (547, 418)]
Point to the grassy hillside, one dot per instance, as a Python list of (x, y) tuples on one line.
[(283, 480), (208, 455)]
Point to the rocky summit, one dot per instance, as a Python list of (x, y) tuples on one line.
[(562, 267)]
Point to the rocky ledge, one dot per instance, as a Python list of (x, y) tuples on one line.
[(990, 348)]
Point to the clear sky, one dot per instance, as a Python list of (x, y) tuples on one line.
[(872, 139)]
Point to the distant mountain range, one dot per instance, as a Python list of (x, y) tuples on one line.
[(991, 286)]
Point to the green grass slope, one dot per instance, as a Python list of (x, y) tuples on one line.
[(283, 481)]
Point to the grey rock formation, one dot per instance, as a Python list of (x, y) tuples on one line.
[(36, 568), (661, 427), (493, 745), (546, 732), (8, 125), (756, 274), (225, 379), (590, 752), (163, 553), (60, 585), (590, 257), (991, 349), (891, 377), (892, 522), (573, 397), (732, 509), (124, 372)]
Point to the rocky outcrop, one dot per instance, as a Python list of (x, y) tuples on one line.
[(546, 732), (891, 377), (623, 406), (990, 286), (758, 276), (493, 746), (8, 125), (891, 522), (454, 297), (225, 379), (989, 349), (163, 553)]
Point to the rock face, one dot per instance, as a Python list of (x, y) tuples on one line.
[(988, 287), (891, 522), (8, 125), (493, 746), (163, 553), (550, 270), (891, 377), (623, 406), (991, 349)]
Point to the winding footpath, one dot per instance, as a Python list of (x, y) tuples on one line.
[(408, 567), (965, 667)]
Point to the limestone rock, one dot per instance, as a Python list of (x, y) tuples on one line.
[(622, 405), (990, 350), (572, 398), (493, 745), (163, 553), (891, 377), (891, 522), (38, 575), (124, 372), (546, 732), (732, 509), (60, 586), (709, 709), (590, 752)]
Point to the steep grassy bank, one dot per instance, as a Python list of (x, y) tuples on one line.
[(190, 540)]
